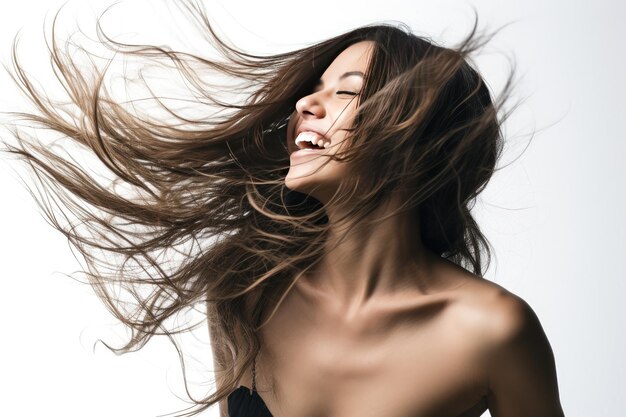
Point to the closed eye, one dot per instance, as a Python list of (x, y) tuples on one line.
[(347, 92)]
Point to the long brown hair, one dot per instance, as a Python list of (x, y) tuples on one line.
[(205, 217)]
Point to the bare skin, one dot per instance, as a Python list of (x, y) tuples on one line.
[(385, 327), (456, 352)]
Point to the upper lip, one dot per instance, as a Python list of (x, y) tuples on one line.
[(303, 128)]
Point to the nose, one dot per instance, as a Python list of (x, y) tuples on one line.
[(312, 105)]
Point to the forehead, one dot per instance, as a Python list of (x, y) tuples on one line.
[(354, 57)]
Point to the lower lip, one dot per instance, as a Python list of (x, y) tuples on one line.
[(306, 152)]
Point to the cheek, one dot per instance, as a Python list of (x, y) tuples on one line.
[(346, 116), (291, 127)]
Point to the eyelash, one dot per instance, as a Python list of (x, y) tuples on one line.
[(348, 92)]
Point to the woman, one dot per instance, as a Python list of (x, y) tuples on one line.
[(326, 224)]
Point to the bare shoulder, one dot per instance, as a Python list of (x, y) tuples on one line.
[(492, 316), (501, 314), (482, 303), (518, 356), (508, 317), (486, 307)]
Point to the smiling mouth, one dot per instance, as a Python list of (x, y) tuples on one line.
[(311, 140)]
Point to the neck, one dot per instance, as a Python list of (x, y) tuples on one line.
[(363, 261)]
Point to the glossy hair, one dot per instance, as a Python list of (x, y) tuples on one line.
[(205, 217)]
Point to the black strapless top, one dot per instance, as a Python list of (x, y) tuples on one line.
[(244, 402)]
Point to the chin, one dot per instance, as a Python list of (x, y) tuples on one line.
[(301, 185), (320, 185)]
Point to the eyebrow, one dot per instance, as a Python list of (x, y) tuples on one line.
[(342, 76)]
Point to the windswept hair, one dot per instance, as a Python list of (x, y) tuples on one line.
[(205, 217)]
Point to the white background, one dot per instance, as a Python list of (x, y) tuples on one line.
[(554, 216)]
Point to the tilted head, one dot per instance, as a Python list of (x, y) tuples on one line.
[(419, 121)]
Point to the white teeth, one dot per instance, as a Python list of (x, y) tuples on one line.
[(310, 137)]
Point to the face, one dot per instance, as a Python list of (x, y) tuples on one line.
[(329, 107)]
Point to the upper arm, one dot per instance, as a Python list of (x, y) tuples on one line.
[(522, 372)]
